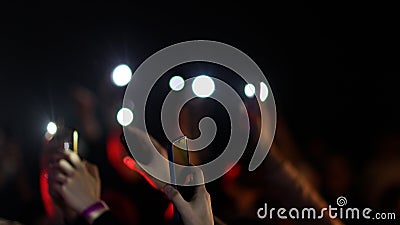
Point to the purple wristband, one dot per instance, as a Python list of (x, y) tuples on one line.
[(94, 207)]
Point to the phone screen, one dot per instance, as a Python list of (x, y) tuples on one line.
[(178, 153)]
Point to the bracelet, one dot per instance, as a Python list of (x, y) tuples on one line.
[(94, 207)]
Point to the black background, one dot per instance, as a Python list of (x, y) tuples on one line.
[(332, 66)]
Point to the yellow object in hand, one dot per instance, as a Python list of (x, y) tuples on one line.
[(75, 141)]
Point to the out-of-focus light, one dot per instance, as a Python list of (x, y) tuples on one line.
[(121, 75), (263, 91), (124, 116), (176, 83), (51, 128), (249, 90), (203, 86)]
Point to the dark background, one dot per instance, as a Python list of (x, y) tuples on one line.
[(332, 66)]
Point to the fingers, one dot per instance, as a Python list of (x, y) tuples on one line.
[(200, 193), (196, 174), (201, 190), (70, 156), (74, 159), (189, 179), (92, 169), (68, 162), (181, 204), (56, 175), (65, 167)]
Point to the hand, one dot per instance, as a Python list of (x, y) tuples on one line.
[(198, 210), (142, 145), (76, 182)]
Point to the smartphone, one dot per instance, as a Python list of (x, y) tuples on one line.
[(65, 138), (178, 153)]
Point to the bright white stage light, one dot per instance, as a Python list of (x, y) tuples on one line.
[(263, 91), (51, 128), (121, 75), (249, 90), (176, 83), (124, 116), (203, 86)]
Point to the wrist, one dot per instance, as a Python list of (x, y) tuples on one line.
[(93, 211)]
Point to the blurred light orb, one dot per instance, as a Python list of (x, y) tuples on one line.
[(263, 91), (124, 116), (51, 128), (121, 75), (249, 90), (176, 83), (203, 86)]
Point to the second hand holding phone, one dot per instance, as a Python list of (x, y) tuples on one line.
[(178, 153)]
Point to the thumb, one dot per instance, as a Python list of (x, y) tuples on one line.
[(176, 197)]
